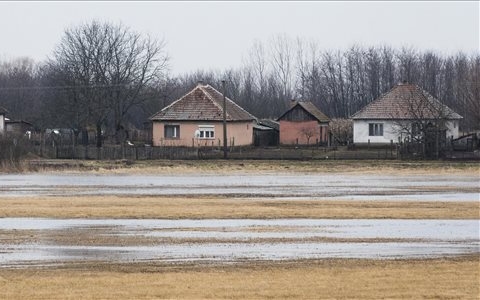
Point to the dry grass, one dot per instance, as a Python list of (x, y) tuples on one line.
[(255, 166), (200, 207), (341, 279)]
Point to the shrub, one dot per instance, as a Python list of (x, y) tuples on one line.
[(12, 151)]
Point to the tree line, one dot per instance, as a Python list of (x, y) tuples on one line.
[(107, 77)]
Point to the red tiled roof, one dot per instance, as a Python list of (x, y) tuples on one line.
[(203, 103), (406, 102)]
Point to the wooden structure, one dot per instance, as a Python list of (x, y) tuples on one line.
[(266, 133), (304, 124), (18, 127)]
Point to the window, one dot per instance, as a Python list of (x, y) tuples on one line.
[(205, 132), (416, 129), (172, 131), (375, 129)]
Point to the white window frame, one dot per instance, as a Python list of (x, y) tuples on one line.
[(206, 132)]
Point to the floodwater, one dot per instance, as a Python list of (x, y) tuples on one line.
[(296, 186), (239, 240), (40, 242)]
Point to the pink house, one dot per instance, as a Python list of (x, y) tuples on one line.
[(304, 124), (196, 119)]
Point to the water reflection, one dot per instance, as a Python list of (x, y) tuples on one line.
[(350, 186), (242, 239)]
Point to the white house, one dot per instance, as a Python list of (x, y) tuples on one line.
[(3, 111), (399, 114)]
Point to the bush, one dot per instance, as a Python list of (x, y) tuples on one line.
[(12, 151)]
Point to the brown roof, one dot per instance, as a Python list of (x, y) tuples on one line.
[(203, 103), (406, 102), (310, 108)]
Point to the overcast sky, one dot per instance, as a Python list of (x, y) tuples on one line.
[(215, 35)]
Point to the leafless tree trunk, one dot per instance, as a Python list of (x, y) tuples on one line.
[(109, 67)]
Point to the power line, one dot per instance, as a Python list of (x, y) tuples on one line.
[(63, 87)]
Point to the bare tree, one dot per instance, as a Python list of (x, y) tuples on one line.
[(108, 67), (342, 130), (473, 95), (308, 132), (422, 119), (282, 63), (18, 80)]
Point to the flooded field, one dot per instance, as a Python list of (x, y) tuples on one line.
[(54, 241), (295, 186), (276, 234)]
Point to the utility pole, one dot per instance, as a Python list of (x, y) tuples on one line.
[(224, 122)]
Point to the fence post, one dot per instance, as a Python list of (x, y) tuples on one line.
[(391, 148)]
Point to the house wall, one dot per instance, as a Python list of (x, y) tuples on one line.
[(2, 124), (361, 133), (391, 131), (238, 134), (293, 132), (19, 128), (452, 129)]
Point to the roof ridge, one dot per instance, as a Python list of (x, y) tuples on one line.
[(399, 100), (173, 103), (212, 99), (307, 108), (231, 101), (376, 100)]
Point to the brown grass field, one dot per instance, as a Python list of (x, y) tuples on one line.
[(200, 207), (254, 166), (456, 278), (442, 278)]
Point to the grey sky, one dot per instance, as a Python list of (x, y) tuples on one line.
[(215, 35)]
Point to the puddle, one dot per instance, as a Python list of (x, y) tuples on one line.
[(356, 187), (416, 239), (230, 252)]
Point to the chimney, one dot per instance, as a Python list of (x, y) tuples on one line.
[(200, 83), (293, 102)]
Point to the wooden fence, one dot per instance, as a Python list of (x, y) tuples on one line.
[(114, 152)]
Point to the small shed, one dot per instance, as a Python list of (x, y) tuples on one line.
[(304, 124), (266, 133), (18, 127)]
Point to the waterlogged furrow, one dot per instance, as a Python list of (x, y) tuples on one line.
[(260, 239), (304, 186)]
